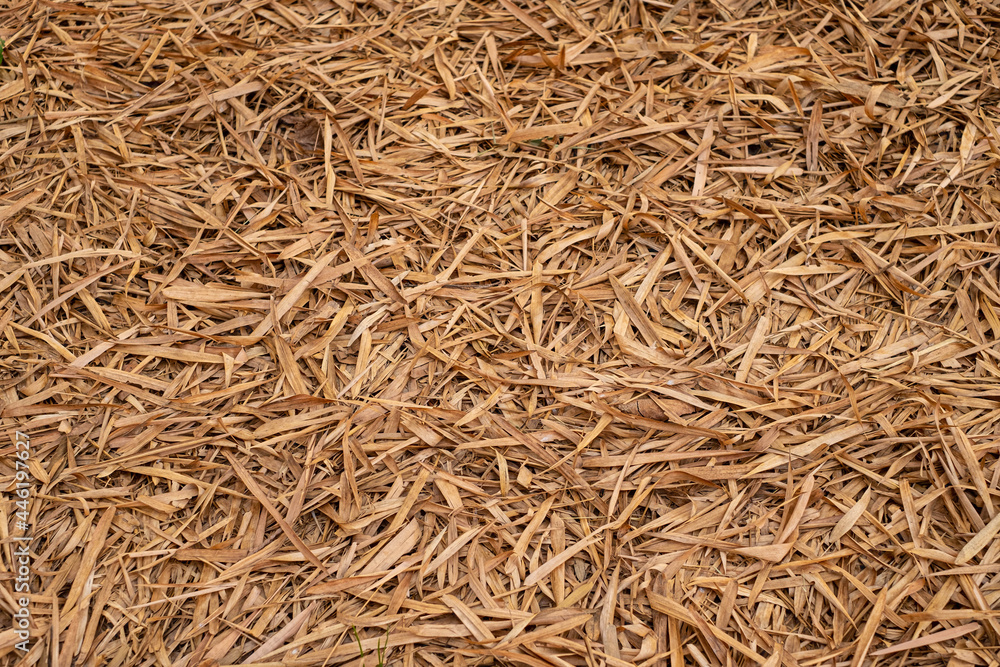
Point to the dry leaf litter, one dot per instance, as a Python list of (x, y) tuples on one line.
[(548, 332)]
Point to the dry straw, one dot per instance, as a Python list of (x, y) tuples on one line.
[(520, 332)]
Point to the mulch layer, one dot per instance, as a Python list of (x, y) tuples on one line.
[(500, 332)]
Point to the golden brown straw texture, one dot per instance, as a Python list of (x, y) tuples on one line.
[(502, 332)]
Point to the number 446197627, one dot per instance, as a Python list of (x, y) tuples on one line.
[(22, 477)]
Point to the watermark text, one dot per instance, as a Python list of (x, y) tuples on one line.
[(22, 540)]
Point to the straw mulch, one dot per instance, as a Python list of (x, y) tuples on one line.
[(609, 332)]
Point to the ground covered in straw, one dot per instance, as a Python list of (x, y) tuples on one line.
[(511, 332)]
